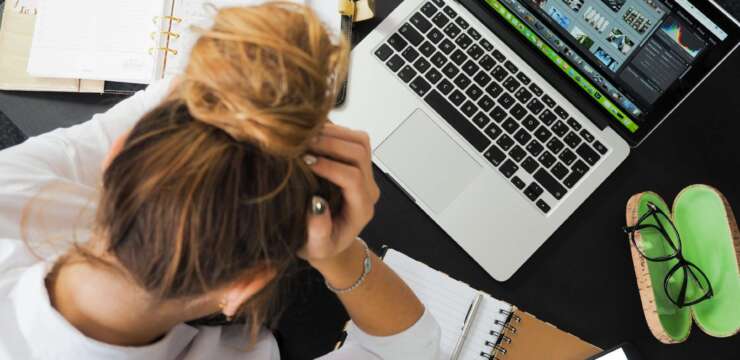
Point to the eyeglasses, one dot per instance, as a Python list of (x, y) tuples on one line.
[(684, 284)]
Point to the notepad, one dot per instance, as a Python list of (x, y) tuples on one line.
[(136, 41), (498, 330)]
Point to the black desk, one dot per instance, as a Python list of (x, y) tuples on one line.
[(582, 278)]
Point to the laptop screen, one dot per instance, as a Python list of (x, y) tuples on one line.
[(635, 58)]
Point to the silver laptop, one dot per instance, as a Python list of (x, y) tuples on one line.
[(482, 137)]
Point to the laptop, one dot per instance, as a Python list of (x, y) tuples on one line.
[(500, 117)]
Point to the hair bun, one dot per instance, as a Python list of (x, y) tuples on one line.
[(266, 74)]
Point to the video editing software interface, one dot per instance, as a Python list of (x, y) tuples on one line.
[(626, 54)]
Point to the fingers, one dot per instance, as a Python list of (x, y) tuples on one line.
[(344, 133), (319, 229), (343, 150), (358, 199)]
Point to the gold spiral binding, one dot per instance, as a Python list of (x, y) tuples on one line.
[(154, 49), (154, 34), (176, 19)]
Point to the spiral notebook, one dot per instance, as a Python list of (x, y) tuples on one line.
[(494, 330), (133, 41)]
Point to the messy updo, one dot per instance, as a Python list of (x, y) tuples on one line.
[(209, 186)]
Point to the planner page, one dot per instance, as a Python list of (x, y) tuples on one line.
[(198, 14), (99, 40)]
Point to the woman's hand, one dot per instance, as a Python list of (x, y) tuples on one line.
[(342, 156)]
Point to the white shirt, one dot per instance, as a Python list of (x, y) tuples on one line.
[(60, 171)]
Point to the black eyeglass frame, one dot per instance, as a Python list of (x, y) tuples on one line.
[(682, 263)]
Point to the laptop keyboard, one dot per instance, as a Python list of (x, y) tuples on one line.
[(499, 110)]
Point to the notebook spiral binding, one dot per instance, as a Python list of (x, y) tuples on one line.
[(498, 347), (170, 34)]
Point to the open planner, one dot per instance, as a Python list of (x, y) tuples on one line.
[(494, 330), (134, 41)]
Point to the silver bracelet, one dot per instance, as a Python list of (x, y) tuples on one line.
[(367, 266)]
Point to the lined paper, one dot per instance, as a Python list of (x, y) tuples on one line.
[(448, 300)]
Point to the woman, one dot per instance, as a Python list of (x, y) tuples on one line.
[(207, 200)]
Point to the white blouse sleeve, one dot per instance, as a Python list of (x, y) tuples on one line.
[(420, 341), (70, 158)]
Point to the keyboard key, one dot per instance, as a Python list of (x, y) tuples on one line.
[(493, 131), (420, 86), (511, 67), (495, 156), (446, 46), (499, 73), (511, 84), (506, 101), (487, 62), (438, 59), (474, 34), (524, 79), (410, 54), (518, 111), (567, 156), (462, 23), (450, 70), (421, 22), (450, 12), (480, 119), (462, 81), (518, 182), (439, 3), (433, 75), (475, 52), (427, 49), (517, 153), (407, 73), (422, 65), (435, 36), (550, 184), (469, 108), (577, 172), (560, 128), (533, 191), (486, 103), (457, 97), (523, 95), (485, 44), (560, 171), (498, 114), (428, 9), (508, 168), (445, 86), (555, 145), (505, 142), (463, 41), (600, 148), (587, 136), (397, 42), (535, 106), (536, 90), (510, 125), (561, 112), (530, 165), (440, 20), (470, 67), (494, 90), (574, 124), (530, 122), (588, 154), (482, 78), (384, 52), (546, 159), (542, 205), (452, 30), (548, 101), (468, 131), (535, 148), (547, 117), (474, 92), (410, 34), (395, 63), (580, 167), (572, 140), (458, 57), (542, 134)]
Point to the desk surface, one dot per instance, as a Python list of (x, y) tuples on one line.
[(582, 279)]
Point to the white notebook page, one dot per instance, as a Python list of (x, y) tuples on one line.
[(96, 40), (448, 300)]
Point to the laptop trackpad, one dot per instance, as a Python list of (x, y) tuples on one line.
[(428, 161)]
